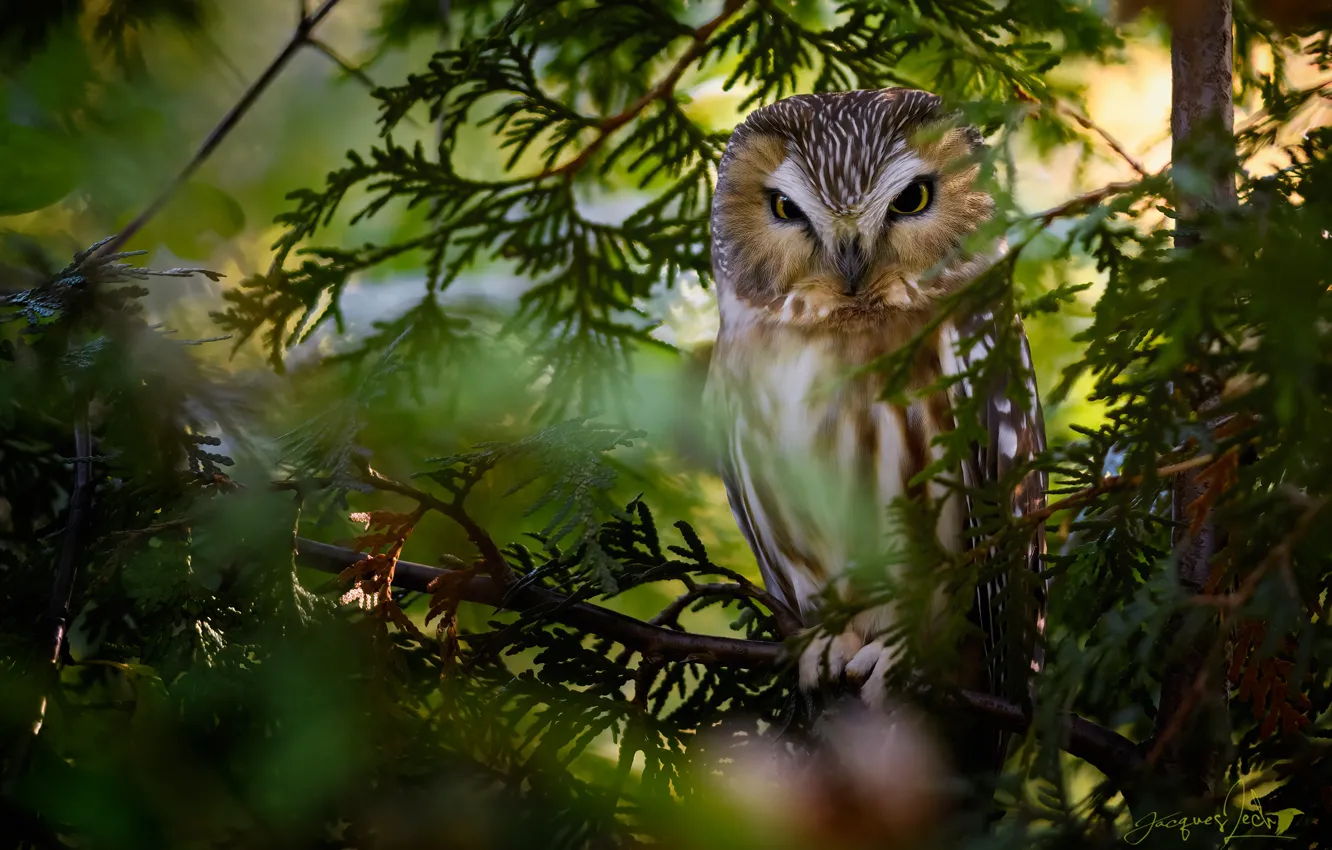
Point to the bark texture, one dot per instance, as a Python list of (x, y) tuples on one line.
[(1192, 722)]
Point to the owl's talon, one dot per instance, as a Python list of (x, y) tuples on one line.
[(826, 657), (870, 667)]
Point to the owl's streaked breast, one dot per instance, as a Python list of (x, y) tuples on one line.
[(814, 456)]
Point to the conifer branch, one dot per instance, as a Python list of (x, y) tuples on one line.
[(1258, 116), (1111, 483), (788, 623), (661, 91), (1106, 750), (645, 638), (492, 558), (1108, 484), (1277, 558)]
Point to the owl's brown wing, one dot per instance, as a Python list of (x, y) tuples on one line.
[(1010, 412), (760, 523)]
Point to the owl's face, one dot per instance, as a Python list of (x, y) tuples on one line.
[(832, 208)]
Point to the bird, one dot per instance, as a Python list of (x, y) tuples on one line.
[(841, 224)]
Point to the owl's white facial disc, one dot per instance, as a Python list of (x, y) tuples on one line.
[(852, 252)]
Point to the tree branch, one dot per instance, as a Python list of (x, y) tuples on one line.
[(353, 71), (1278, 556), (492, 558), (1087, 124), (1106, 750), (1256, 118), (663, 89), (1106, 485), (299, 37), (80, 516), (1075, 205), (1111, 483), (644, 638)]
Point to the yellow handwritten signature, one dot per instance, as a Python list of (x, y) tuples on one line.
[(1246, 820)]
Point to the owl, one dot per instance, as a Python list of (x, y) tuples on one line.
[(839, 224)]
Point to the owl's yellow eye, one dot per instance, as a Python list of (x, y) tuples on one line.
[(914, 200), (785, 208)]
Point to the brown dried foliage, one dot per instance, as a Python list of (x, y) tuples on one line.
[(372, 577), (446, 593), (1265, 682)]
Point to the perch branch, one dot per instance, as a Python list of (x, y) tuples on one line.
[(300, 36), (635, 634), (1104, 749)]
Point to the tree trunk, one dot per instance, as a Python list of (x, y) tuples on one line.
[(1192, 723)]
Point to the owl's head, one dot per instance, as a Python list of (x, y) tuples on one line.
[(832, 208)]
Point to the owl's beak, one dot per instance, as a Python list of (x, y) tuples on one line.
[(852, 264)]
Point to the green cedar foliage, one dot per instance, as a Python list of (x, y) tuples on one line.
[(215, 693)]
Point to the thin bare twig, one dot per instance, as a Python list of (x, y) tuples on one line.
[(1257, 117), (1087, 124), (299, 37), (1075, 205), (662, 90), (342, 62)]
